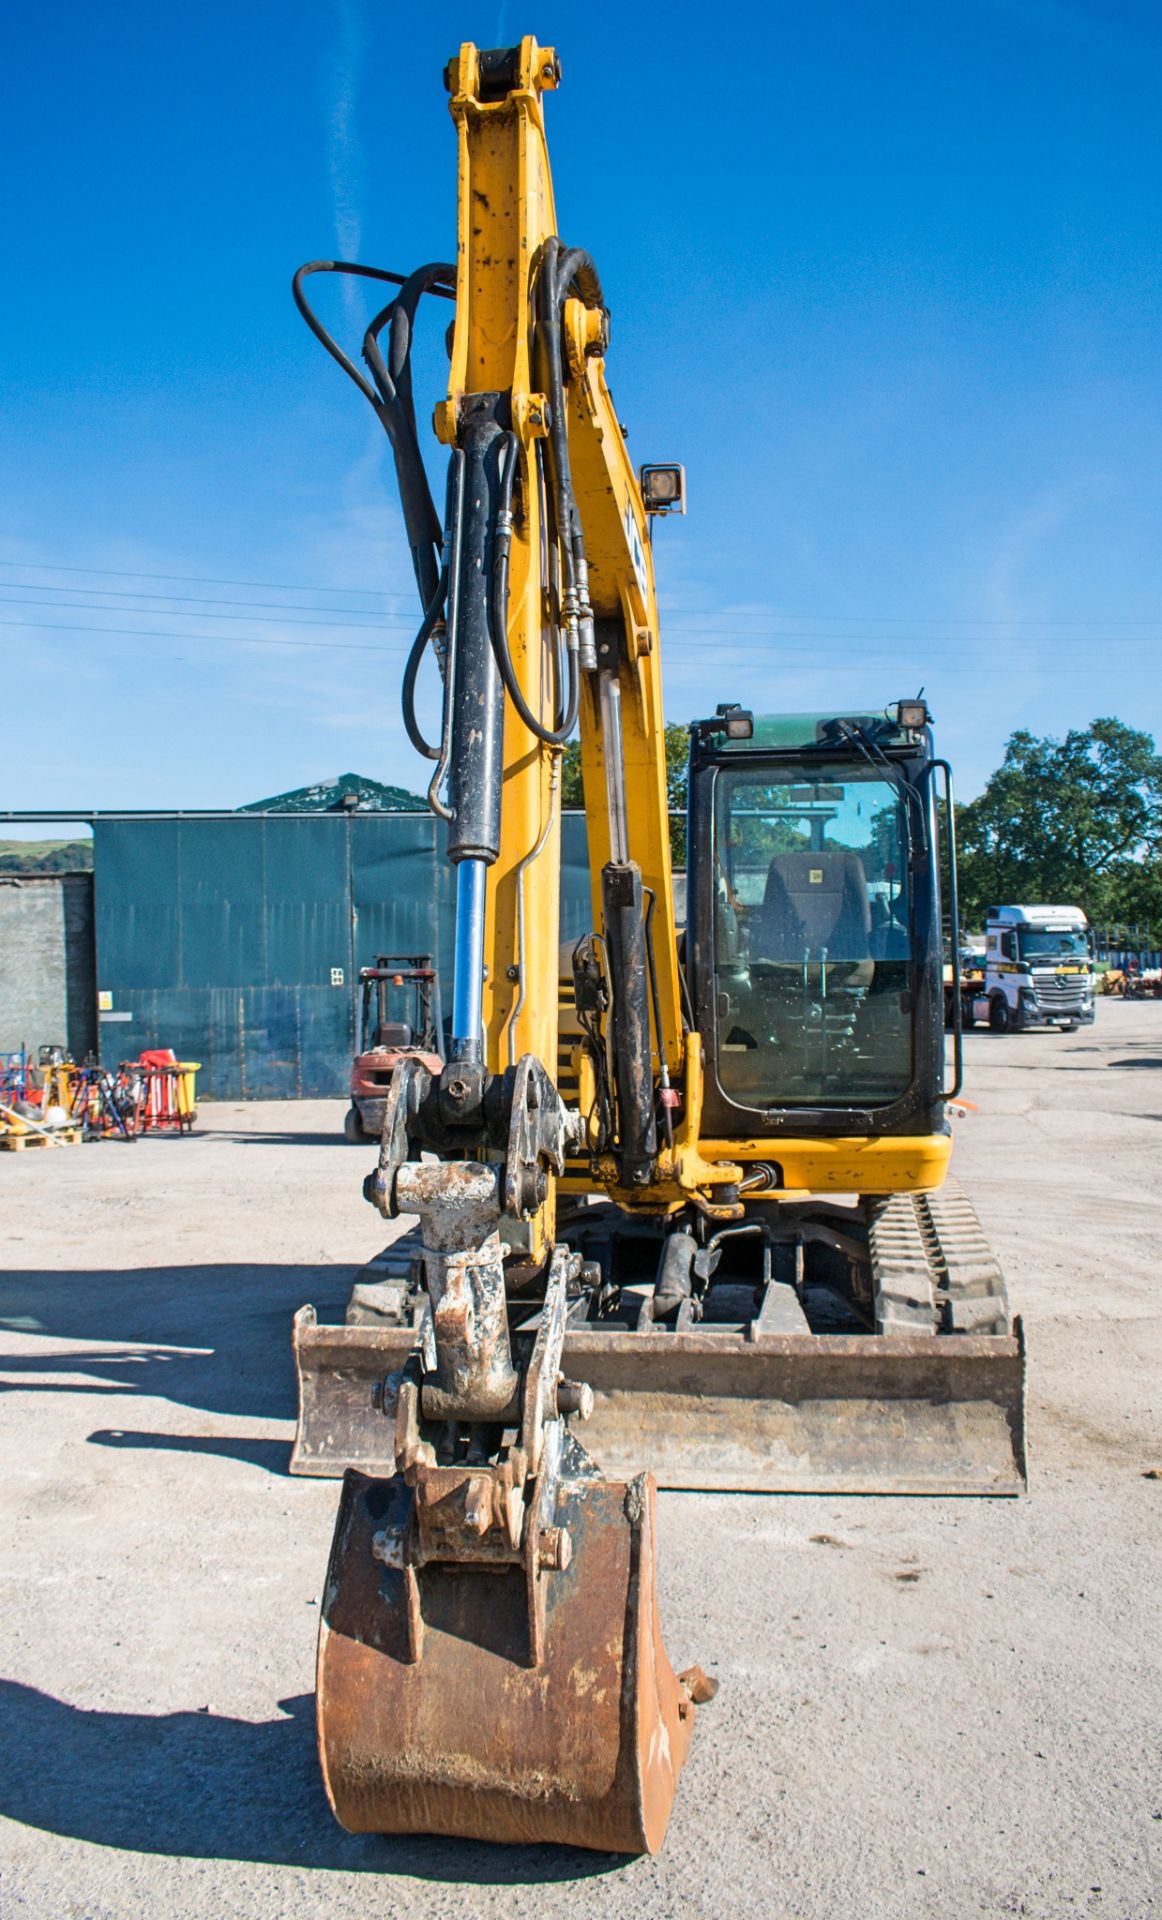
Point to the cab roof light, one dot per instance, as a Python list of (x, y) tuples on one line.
[(736, 722), (663, 488)]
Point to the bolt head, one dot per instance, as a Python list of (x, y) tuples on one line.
[(554, 1549), (385, 1394)]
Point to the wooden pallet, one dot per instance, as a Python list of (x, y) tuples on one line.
[(16, 1142)]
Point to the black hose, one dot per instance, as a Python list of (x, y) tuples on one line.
[(391, 396), (549, 339), (560, 270), (563, 269), (549, 736), (411, 670), (393, 378), (315, 324), (576, 268), (656, 1004)]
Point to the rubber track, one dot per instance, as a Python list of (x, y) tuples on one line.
[(932, 1268)]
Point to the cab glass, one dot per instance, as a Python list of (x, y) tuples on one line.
[(811, 938)]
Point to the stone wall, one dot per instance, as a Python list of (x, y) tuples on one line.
[(47, 967)]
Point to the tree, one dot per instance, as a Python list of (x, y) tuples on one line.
[(46, 856), (1077, 820), (677, 752)]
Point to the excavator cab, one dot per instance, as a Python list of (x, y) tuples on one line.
[(813, 950)]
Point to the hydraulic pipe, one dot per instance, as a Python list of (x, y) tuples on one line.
[(610, 699)]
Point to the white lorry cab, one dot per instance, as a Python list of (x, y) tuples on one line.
[(1039, 969)]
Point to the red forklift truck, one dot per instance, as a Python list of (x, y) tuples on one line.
[(399, 1017)]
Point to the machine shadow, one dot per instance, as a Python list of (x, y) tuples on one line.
[(271, 1455), (335, 1139), (215, 1337), (208, 1787)]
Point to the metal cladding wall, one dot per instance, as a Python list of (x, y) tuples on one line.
[(221, 938)]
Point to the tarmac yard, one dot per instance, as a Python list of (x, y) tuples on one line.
[(927, 1707)]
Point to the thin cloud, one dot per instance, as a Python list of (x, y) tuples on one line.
[(1019, 583), (342, 73)]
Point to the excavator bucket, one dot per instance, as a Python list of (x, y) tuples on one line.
[(436, 1713), (771, 1413)]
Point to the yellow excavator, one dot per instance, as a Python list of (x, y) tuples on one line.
[(678, 1204)]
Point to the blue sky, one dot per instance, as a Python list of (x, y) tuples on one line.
[(886, 279)]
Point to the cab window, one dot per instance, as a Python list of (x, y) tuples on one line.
[(1037, 944), (812, 946)]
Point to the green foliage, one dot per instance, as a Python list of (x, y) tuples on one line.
[(1077, 820), (46, 856)]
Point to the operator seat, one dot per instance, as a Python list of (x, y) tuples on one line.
[(814, 902), (395, 1033)]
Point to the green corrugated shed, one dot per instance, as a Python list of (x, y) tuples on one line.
[(237, 941)]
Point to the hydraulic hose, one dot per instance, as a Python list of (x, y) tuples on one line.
[(549, 736), (393, 378), (549, 331), (561, 270), (453, 549), (411, 670), (391, 395)]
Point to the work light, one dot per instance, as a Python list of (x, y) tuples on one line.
[(664, 489)]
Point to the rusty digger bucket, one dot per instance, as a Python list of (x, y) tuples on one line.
[(490, 1655), (438, 1713)]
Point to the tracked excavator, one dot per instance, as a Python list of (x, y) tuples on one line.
[(678, 1207)]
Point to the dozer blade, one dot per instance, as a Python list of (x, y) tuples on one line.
[(803, 1413), (432, 1717), (778, 1413)]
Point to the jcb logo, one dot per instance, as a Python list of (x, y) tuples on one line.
[(636, 551)]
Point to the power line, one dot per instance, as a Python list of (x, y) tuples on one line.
[(905, 619), (667, 608), (168, 613), (203, 639), (672, 635), (202, 600), (928, 664), (191, 579)]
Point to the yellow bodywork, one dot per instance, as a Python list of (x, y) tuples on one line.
[(505, 215)]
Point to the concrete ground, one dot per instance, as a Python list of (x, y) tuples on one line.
[(927, 1708)]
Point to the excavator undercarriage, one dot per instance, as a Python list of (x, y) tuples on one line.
[(823, 1354)]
